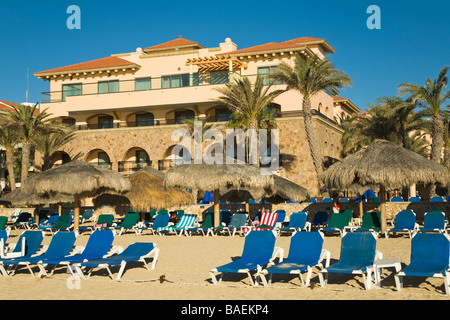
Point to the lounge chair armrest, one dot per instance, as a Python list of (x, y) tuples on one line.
[(325, 254), (308, 225), (114, 250), (77, 250), (378, 255), (278, 251)]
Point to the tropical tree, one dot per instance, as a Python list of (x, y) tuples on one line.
[(431, 98), (23, 121), (9, 140), (48, 144), (250, 104), (309, 76)]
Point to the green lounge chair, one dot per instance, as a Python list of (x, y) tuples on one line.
[(104, 222), (371, 222), (337, 224), (206, 226), (128, 223)]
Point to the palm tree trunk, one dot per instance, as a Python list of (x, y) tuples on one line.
[(437, 145), (312, 139), (438, 139), (10, 167), (26, 150)]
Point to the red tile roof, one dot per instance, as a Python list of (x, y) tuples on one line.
[(290, 44), (6, 106), (180, 42), (104, 63)]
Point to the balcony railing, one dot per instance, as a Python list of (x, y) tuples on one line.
[(132, 166), (133, 85)]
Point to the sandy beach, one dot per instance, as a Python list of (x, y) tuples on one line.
[(185, 262)]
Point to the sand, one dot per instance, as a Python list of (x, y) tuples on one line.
[(186, 261)]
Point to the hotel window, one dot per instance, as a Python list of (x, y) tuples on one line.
[(103, 159), (264, 71), (74, 89), (218, 77), (182, 115), (223, 114), (108, 86), (178, 81), (105, 122), (142, 84), (145, 119)]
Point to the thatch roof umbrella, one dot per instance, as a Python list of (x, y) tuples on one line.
[(217, 176), (78, 179), (282, 190), (17, 198), (147, 192), (387, 165)]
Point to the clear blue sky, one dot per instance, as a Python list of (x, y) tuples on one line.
[(412, 44)]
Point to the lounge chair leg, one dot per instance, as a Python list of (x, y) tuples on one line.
[(308, 276), (213, 277), (3, 270), (398, 282), (323, 278), (447, 283), (155, 257)]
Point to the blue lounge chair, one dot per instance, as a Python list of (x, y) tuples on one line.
[(434, 221), (161, 221), (305, 252), (259, 250), (437, 199), (186, 221), (327, 200), (88, 215), (4, 234), (137, 251), (358, 252), (49, 223), (430, 254), (297, 221), (415, 199), (238, 220), (61, 245), (320, 219), (27, 245), (397, 199), (22, 220), (405, 221), (98, 246)]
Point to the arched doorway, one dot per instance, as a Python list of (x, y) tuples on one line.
[(135, 159)]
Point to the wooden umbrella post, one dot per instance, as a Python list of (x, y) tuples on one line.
[(383, 208), (216, 208), (361, 210), (76, 210)]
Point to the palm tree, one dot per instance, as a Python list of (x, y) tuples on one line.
[(431, 98), (250, 104), (48, 144), (9, 140), (27, 126), (310, 76)]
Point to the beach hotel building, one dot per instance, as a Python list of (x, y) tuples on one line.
[(125, 107)]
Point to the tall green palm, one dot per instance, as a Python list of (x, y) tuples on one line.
[(9, 140), (431, 98), (309, 76), (48, 144), (249, 103), (27, 125)]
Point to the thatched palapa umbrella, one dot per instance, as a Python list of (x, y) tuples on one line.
[(147, 192), (282, 190), (217, 176), (387, 165), (78, 179), (18, 198)]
